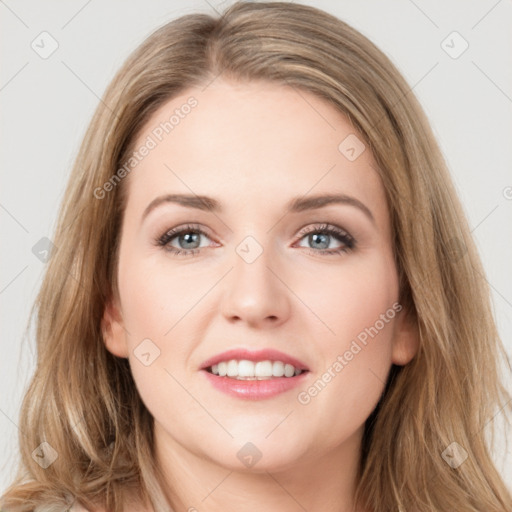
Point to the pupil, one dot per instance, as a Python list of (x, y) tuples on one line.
[(315, 238), (189, 239)]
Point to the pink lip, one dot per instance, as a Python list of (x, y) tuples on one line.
[(254, 389), (268, 354)]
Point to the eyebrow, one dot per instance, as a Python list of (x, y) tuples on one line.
[(296, 205)]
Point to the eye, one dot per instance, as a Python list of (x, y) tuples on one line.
[(189, 237), (320, 237)]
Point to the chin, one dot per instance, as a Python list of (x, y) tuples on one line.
[(258, 455)]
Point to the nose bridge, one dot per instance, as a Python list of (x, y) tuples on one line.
[(254, 291)]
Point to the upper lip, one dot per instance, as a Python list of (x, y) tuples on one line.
[(268, 354)]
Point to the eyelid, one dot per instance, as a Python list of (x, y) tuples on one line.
[(321, 226)]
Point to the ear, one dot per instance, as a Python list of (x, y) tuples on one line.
[(406, 340), (112, 328)]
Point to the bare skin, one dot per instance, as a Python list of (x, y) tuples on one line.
[(254, 147)]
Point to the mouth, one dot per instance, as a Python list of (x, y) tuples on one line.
[(254, 375)]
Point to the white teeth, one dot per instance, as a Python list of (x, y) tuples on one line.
[(223, 369), (277, 369), (232, 370), (244, 368), (289, 370), (248, 370), (263, 369)]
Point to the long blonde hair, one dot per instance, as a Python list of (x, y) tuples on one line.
[(82, 400)]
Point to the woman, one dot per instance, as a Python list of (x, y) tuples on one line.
[(252, 368)]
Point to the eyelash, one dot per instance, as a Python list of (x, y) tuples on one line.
[(341, 235)]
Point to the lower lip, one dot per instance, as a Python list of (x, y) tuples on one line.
[(254, 389)]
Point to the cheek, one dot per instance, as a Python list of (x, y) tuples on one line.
[(155, 298), (359, 308), (153, 302), (161, 304), (351, 299)]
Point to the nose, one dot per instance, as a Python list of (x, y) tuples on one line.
[(255, 292)]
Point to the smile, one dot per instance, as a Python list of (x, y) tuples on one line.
[(250, 370)]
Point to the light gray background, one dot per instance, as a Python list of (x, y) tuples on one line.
[(47, 104)]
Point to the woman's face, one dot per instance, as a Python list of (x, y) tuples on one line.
[(263, 275)]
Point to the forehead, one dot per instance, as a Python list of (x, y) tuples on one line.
[(252, 143)]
